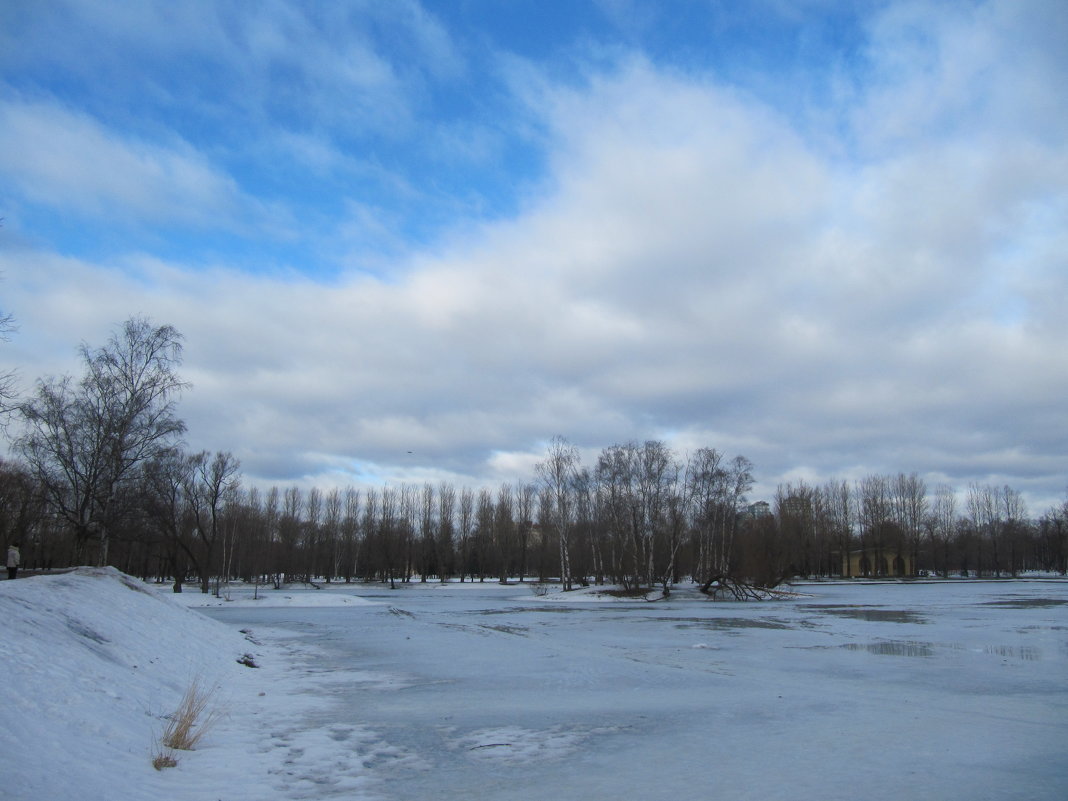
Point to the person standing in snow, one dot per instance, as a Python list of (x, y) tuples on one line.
[(13, 560)]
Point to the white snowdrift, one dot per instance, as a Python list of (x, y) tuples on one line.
[(91, 664)]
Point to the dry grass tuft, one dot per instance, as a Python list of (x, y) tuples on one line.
[(192, 720), (187, 725)]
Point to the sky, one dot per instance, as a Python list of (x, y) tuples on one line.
[(413, 242)]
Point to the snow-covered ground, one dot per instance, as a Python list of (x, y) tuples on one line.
[(946, 690)]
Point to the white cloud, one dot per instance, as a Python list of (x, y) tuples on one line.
[(68, 160), (353, 67), (693, 267), (963, 70)]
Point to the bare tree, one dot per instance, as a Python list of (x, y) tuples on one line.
[(586, 545), (526, 497), (208, 485), (289, 531), (311, 534), (615, 494), (428, 551), (1053, 532), (332, 533), (656, 474), (557, 472), (910, 509), (446, 527), (166, 510), (409, 505), (796, 513), (838, 507), (985, 513), (876, 523), (717, 494), (483, 536), (676, 520), (8, 392), (942, 526), (256, 539), (1013, 511), (20, 507), (370, 526), (85, 440), (389, 535), (465, 525), (504, 529), (350, 532)]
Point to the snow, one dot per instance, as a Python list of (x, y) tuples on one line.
[(940, 690), (93, 662)]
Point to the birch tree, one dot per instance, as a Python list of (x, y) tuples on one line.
[(85, 440), (557, 472)]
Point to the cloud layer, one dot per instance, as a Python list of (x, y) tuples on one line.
[(872, 282)]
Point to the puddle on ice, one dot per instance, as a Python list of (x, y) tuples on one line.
[(566, 610), (893, 648), (874, 614), (520, 745), (929, 649), (721, 623), (504, 629), (1026, 603), (1026, 652)]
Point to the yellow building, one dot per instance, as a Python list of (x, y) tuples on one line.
[(877, 562)]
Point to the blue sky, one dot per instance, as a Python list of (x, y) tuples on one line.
[(828, 236), (396, 119)]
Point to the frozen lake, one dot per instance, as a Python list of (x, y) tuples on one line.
[(878, 691)]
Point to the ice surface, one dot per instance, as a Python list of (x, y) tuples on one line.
[(942, 690)]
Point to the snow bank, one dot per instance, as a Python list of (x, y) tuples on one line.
[(91, 664)]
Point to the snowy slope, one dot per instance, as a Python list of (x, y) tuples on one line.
[(91, 664)]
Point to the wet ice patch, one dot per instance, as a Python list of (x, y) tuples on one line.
[(520, 631), (516, 744), (1027, 603), (1028, 653), (893, 648), (872, 614), (730, 624)]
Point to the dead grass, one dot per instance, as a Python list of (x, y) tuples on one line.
[(164, 760), (187, 725)]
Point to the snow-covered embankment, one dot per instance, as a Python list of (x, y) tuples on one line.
[(91, 663)]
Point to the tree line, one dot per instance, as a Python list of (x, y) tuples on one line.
[(101, 475)]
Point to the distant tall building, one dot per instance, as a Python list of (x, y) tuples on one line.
[(758, 509)]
